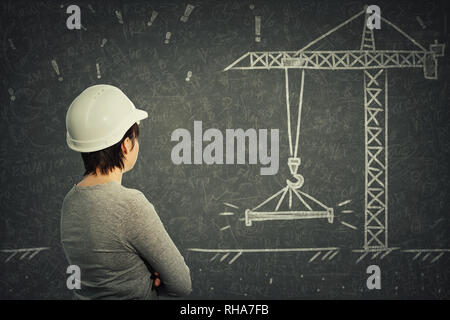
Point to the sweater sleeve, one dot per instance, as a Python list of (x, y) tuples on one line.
[(146, 233)]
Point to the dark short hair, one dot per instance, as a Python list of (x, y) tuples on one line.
[(107, 159)]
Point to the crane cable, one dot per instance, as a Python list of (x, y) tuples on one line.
[(299, 115)]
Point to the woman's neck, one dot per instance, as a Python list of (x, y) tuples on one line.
[(92, 179)]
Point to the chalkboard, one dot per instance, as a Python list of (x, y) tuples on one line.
[(373, 142)]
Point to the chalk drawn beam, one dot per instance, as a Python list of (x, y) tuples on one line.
[(373, 250), (426, 250), (251, 216), (303, 211), (331, 60), (263, 250)]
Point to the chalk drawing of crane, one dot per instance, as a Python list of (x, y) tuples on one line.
[(374, 64)]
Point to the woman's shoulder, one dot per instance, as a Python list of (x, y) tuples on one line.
[(132, 192), (136, 196)]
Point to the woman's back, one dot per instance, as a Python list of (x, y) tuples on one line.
[(115, 236)]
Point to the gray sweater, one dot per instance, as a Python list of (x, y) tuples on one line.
[(117, 239)]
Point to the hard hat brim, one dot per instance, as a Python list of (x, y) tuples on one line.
[(99, 144)]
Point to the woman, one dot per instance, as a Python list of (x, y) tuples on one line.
[(112, 233)]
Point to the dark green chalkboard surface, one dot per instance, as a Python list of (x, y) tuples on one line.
[(366, 182)]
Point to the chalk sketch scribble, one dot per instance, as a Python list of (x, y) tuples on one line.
[(152, 19), (343, 203), (30, 252), (329, 252), (231, 205), (349, 225), (226, 214), (374, 64), (307, 207), (436, 254), (56, 68), (187, 12), (380, 252)]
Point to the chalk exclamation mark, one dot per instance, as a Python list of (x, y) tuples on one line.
[(11, 93), (11, 44), (56, 68), (153, 18), (119, 16), (189, 75), (103, 42), (187, 13), (99, 76), (168, 35), (258, 28)]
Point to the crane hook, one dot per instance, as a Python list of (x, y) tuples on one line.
[(298, 183)]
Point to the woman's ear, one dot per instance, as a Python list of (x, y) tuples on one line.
[(125, 145)]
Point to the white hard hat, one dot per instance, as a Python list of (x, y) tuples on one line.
[(99, 117)]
